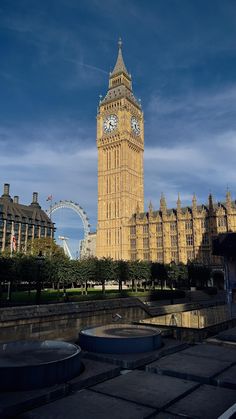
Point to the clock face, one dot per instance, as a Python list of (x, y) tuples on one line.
[(135, 125), (110, 123)]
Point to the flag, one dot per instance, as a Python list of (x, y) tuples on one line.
[(49, 198), (13, 240)]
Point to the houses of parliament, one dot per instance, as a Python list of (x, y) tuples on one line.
[(125, 230)]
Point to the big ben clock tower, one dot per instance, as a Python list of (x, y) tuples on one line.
[(120, 143)]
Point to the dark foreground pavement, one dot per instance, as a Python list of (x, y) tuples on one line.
[(197, 381)]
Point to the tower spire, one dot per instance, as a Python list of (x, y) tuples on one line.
[(120, 65)]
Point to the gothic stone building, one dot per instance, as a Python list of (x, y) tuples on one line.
[(21, 224), (124, 231), (181, 234)]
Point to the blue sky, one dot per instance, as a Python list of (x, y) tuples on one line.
[(55, 61)]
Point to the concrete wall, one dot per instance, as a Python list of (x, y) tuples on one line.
[(64, 321)]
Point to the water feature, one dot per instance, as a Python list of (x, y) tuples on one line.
[(120, 338), (27, 365)]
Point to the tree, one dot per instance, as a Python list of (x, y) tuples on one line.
[(47, 247), (121, 272), (133, 274), (183, 275), (199, 275), (87, 271), (105, 271), (159, 272), (7, 274)]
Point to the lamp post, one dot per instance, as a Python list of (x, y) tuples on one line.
[(40, 259), (172, 277)]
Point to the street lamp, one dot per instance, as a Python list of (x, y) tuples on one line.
[(40, 260), (172, 277)]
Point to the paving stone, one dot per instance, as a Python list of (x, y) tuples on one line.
[(166, 415), (94, 372), (212, 351), (87, 404), (227, 378), (12, 403), (229, 335), (205, 402), (136, 360), (188, 367), (147, 389)]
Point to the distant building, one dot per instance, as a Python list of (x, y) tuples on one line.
[(21, 224), (88, 246)]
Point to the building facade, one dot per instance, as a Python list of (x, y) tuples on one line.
[(21, 224), (124, 230), (181, 234), (120, 143)]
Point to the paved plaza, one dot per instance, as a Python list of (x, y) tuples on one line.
[(178, 380)]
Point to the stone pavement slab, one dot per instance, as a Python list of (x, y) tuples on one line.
[(87, 404), (12, 403), (212, 351), (137, 360), (227, 378), (206, 402), (229, 335), (147, 389), (166, 415), (188, 367)]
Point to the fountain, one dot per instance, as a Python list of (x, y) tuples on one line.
[(27, 365), (120, 338)]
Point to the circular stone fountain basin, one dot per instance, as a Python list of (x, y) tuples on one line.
[(120, 339), (26, 365)]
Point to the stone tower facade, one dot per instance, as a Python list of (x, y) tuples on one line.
[(120, 143)]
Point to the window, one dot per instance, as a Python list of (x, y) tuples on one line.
[(221, 222), (36, 231), (174, 256), (23, 228), (189, 239), (159, 227), (145, 243), (146, 255), (133, 243), (30, 230), (173, 227), (188, 225), (133, 256), (173, 240), (133, 230), (204, 223), (49, 232), (159, 242), (160, 257), (205, 239), (145, 229), (190, 255)]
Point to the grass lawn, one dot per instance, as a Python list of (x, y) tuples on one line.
[(75, 294)]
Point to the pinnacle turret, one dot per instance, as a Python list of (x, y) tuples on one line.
[(120, 65), (163, 207), (194, 202)]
